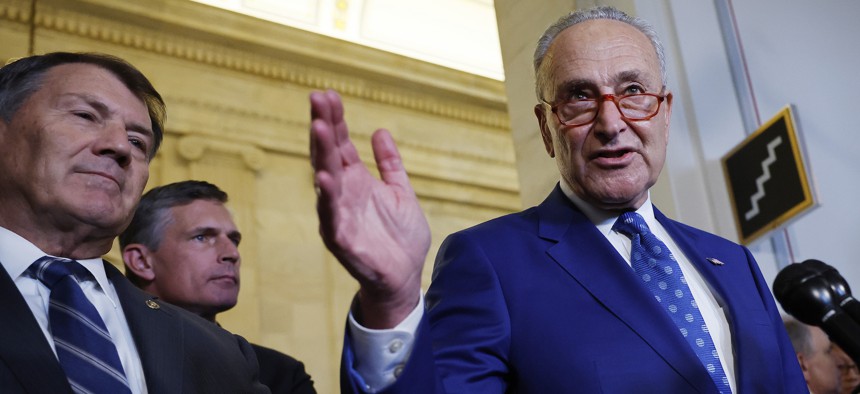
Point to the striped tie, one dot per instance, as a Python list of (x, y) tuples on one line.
[(84, 346)]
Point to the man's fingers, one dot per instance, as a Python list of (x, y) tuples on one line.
[(336, 106), (321, 107), (322, 141), (388, 160), (349, 154), (328, 106), (325, 154), (328, 191), (329, 133)]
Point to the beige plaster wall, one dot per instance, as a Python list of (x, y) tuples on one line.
[(236, 90)]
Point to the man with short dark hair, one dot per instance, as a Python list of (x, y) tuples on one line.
[(182, 246), (77, 133)]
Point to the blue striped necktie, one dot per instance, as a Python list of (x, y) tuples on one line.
[(83, 343), (656, 266)]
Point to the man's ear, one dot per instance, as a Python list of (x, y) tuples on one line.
[(545, 132), (138, 259), (803, 366), (668, 105)]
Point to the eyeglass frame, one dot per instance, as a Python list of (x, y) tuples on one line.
[(607, 97)]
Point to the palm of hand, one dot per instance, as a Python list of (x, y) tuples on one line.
[(374, 227), (381, 233)]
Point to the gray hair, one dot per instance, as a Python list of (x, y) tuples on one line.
[(602, 12), (799, 335)]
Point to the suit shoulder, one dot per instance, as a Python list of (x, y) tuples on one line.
[(282, 373), (526, 220), (273, 356), (194, 324), (697, 233)]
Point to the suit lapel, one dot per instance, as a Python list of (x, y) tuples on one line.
[(23, 346), (719, 279), (689, 244), (157, 334), (592, 261), (692, 248)]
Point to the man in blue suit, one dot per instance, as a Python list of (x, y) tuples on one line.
[(557, 298)]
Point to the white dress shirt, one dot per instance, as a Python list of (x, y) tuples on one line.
[(378, 366), (16, 256), (381, 355)]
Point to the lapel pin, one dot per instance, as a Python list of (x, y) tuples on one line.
[(152, 304), (714, 261)]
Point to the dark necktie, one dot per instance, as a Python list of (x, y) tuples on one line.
[(656, 266), (84, 346)]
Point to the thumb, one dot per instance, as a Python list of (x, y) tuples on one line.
[(388, 160)]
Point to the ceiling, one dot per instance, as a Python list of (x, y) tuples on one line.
[(460, 34)]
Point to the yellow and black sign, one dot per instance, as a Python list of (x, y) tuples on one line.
[(767, 178)]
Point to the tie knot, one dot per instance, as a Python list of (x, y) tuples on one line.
[(631, 223), (50, 270)]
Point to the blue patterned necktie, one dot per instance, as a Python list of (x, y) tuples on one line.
[(656, 266), (84, 346)]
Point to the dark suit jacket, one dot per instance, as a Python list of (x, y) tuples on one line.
[(540, 302), (180, 352), (281, 373)]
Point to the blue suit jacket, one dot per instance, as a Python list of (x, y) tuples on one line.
[(540, 302)]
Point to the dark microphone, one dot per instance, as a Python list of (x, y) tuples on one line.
[(838, 287), (806, 294)]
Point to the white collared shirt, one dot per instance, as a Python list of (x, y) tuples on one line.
[(381, 355), (16, 256)]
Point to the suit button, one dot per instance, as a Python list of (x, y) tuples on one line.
[(395, 346), (398, 371)]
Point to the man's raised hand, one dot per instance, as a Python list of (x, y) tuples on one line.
[(375, 228)]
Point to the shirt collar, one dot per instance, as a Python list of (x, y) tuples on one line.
[(17, 254), (603, 219)]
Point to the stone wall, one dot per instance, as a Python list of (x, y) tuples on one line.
[(236, 90)]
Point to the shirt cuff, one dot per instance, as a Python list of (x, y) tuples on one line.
[(381, 355)]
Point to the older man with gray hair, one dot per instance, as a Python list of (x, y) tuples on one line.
[(816, 355), (592, 291)]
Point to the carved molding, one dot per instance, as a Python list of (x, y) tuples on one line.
[(465, 194), (71, 21), (192, 148), (15, 11), (245, 113), (285, 123), (254, 129), (478, 173)]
